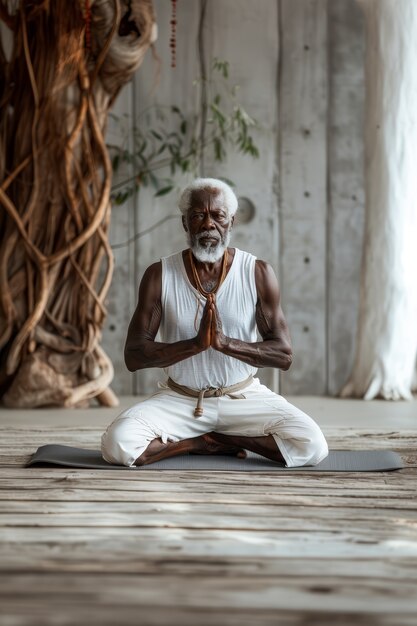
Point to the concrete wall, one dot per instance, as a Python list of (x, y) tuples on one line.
[(299, 66)]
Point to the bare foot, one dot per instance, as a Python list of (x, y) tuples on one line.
[(157, 450), (209, 445), (204, 444)]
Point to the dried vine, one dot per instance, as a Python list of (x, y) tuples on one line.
[(67, 64)]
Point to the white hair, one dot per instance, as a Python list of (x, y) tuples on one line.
[(229, 196)]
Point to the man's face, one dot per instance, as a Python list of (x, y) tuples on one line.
[(208, 225)]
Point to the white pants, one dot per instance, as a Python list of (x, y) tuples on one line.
[(170, 416)]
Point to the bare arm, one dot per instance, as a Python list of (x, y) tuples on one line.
[(141, 349), (275, 348)]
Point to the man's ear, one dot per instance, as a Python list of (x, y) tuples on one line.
[(184, 223), (232, 221)]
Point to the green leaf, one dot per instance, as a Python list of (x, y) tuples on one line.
[(218, 114), (121, 196), (174, 151), (143, 160), (156, 135), (127, 157), (115, 162), (164, 191), (185, 165), (154, 180), (222, 67), (169, 142), (142, 147), (218, 149)]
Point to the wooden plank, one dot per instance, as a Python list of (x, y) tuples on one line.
[(303, 171), (37, 614), (233, 542), (220, 483), (331, 544), (103, 491), (280, 592), (291, 519), (278, 505), (362, 528), (124, 555)]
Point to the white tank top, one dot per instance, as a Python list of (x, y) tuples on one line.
[(236, 302)]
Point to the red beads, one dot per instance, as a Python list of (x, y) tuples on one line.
[(173, 38), (87, 18)]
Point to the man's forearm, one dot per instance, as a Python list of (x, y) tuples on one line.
[(260, 354), (147, 353)]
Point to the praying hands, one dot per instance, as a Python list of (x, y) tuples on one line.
[(210, 333)]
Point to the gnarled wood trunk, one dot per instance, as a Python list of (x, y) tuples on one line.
[(68, 63)]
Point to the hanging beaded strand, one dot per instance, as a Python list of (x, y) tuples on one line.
[(87, 24), (173, 39), (200, 287)]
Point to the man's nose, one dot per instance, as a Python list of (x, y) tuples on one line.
[(208, 221)]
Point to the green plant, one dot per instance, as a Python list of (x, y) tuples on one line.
[(166, 141)]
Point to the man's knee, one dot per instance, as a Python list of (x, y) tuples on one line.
[(318, 448), (125, 440), (308, 447)]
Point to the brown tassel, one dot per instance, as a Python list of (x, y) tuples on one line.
[(198, 411)]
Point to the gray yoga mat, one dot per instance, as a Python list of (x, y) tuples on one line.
[(337, 461)]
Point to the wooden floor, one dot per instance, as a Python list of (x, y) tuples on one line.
[(204, 548)]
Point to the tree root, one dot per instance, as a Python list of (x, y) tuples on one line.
[(48, 379), (55, 180)]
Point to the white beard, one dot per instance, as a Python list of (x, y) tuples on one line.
[(209, 254)]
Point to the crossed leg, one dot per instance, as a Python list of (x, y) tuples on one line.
[(164, 426), (211, 443)]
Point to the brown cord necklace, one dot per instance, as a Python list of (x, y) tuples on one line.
[(197, 278), (200, 287)]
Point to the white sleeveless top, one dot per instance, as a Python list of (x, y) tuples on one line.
[(236, 302)]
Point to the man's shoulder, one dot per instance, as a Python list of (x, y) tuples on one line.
[(174, 257), (244, 254), (261, 266), (265, 275), (153, 271)]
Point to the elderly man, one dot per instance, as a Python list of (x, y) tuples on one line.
[(208, 302)]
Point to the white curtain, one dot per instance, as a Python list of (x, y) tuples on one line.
[(387, 328)]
